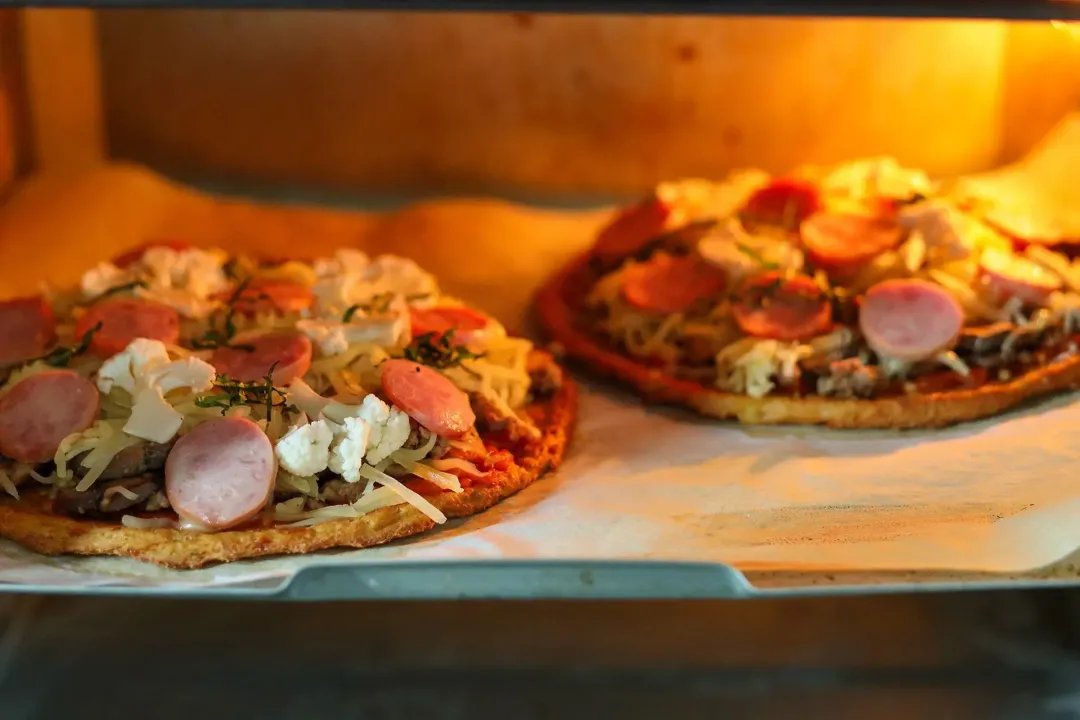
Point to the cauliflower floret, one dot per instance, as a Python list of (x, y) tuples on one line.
[(125, 367), (152, 417), (305, 449), (347, 451)]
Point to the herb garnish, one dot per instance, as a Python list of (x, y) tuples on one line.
[(215, 338), (756, 257), (379, 304), (126, 287), (438, 350), (234, 393), (61, 356)]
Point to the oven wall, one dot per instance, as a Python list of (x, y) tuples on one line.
[(561, 105)]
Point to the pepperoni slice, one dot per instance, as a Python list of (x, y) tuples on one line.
[(772, 306), (632, 228), (1007, 276), (40, 411), (785, 202), (125, 319), (842, 242), (910, 320), (221, 473), (667, 284), (271, 295), (469, 325), (252, 355), (132, 256), (27, 329), (428, 397)]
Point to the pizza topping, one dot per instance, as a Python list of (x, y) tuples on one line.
[(775, 306), (269, 296), (334, 338), (221, 473), (632, 227), (27, 329), (40, 411), (910, 320), (784, 202), (667, 284), (470, 327), (949, 233), (130, 257), (740, 253), (125, 319), (842, 242), (284, 354), (1008, 275), (877, 178), (428, 397)]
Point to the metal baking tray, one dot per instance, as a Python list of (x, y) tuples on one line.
[(325, 580)]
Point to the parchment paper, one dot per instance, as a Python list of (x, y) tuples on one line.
[(996, 496)]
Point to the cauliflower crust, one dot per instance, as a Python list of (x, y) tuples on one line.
[(29, 522), (560, 308)]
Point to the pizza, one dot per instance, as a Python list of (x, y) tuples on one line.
[(858, 296), (185, 406)]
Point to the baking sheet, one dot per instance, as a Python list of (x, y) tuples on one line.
[(639, 484)]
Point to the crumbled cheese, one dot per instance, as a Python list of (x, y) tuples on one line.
[(328, 335), (389, 428), (101, 277), (122, 369), (305, 449), (347, 452), (877, 177), (195, 271), (346, 261), (386, 274)]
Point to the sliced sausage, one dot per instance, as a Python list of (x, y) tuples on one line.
[(782, 308), (221, 473), (40, 411), (1008, 275), (252, 355), (427, 396), (271, 296), (27, 329), (130, 257), (910, 320), (632, 228), (667, 284), (838, 242), (124, 319), (469, 326), (784, 202)]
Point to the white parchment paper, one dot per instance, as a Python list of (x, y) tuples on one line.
[(1001, 495)]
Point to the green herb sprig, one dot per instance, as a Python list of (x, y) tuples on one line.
[(116, 290), (61, 356), (756, 257), (235, 393), (214, 337), (438, 351)]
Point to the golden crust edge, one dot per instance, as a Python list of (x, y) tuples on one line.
[(51, 534), (557, 307)]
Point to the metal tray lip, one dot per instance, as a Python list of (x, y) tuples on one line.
[(933, 9), (552, 580)]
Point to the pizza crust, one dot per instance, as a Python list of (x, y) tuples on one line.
[(32, 526), (559, 306)]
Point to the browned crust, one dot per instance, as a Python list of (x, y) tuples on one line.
[(559, 307), (51, 534)]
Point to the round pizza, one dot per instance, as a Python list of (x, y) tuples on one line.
[(184, 407), (858, 296)]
